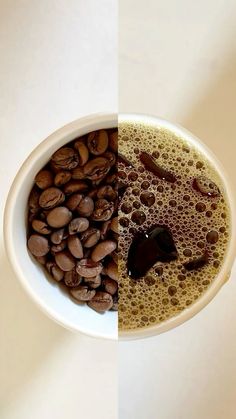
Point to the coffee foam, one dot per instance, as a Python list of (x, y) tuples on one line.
[(167, 288)]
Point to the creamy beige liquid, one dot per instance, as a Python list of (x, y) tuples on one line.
[(167, 288)]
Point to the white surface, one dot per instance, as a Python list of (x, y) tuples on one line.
[(58, 62), (177, 60)]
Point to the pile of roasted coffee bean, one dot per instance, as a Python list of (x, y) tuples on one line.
[(72, 219)]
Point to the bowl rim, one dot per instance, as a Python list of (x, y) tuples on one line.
[(73, 129), (225, 271)]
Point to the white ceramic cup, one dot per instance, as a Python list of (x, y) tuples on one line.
[(46, 293), (224, 273)]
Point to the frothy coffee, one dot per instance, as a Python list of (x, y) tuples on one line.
[(171, 198)]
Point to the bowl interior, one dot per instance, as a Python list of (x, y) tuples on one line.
[(50, 297)]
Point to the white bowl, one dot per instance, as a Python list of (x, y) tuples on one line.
[(47, 294), (224, 273)]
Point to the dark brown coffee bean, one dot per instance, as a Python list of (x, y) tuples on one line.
[(93, 282), (112, 270), (73, 201), (78, 225), (41, 259), (66, 158), (75, 246), (151, 165), (114, 225), (72, 279), (114, 256), (147, 198), (82, 293), (97, 142), (44, 179), (110, 286), (106, 192), (33, 202), (103, 210), (105, 229), (103, 249), (78, 173), (65, 261), (55, 271), (92, 194), (41, 227), (62, 177), (90, 237), (212, 237), (88, 268), (113, 141), (56, 248), (111, 179), (85, 207), (115, 303), (83, 152), (75, 186), (51, 197), (57, 236), (59, 217), (38, 245), (97, 168), (110, 157), (102, 301)]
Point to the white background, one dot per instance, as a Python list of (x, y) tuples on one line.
[(58, 61), (177, 59)]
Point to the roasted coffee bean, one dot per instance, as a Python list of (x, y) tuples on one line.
[(97, 168), (88, 268), (102, 301), (73, 201), (93, 282), (41, 259), (105, 229), (65, 158), (58, 247), (57, 236), (78, 173), (110, 157), (65, 260), (93, 193), (114, 225), (33, 202), (82, 293), (78, 225), (97, 142), (75, 246), (59, 217), (55, 271), (90, 237), (51, 197), (103, 210), (85, 207), (114, 256), (110, 286), (41, 227), (62, 177), (75, 186), (102, 250), (107, 192), (82, 151), (113, 141), (44, 179), (115, 303), (38, 245), (72, 279), (112, 270)]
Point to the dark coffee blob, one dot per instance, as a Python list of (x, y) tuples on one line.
[(138, 217), (150, 164), (206, 187), (148, 248), (197, 263), (147, 198)]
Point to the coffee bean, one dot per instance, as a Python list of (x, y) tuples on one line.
[(97, 168), (62, 177), (55, 271), (93, 282), (44, 179), (78, 173), (103, 249), (73, 201), (113, 141), (102, 301), (112, 270), (106, 192), (72, 279), (115, 303), (75, 186), (114, 225), (97, 142), (82, 151), (78, 225), (75, 246), (88, 268), (59, 247), (65, 261), (33, 201), (90, 237), (106, 225), (51, 197), (41, 227), (85, 207), (66, 158), (103, 210), (110, 286), (82, 293), (38, 245), (59, 217), (110, 157), (57, 236)]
